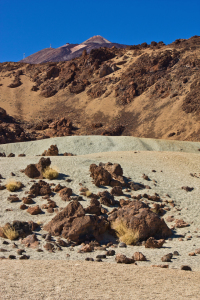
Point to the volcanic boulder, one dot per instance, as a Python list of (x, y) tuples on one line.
[(138, 217), (36, 170), (73, 224)]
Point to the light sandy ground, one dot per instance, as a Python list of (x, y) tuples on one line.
[(55, 280), (62, 277)]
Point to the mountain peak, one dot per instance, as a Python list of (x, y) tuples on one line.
[(98, 39)]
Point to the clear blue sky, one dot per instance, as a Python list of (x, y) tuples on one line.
[(31, 25)]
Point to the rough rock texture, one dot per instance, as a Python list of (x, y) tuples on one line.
[(153, 243), (36, 170), (23, 228), (107, 199), (40, 188), (73, 224), (138, 256), (138, 216), (122, 259), (107, 174), (93, 208), (34, 210), (52, 151)]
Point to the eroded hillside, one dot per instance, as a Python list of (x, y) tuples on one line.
[(145, 90)]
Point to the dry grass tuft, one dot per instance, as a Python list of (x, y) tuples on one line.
[(88, 193), (50, 173), (125, 234), (10, 232), (14, 186)]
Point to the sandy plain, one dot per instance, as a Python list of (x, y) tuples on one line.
[(65, 274)]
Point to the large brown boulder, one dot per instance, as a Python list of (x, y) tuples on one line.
[(138, 217), (100, 175), (107, 174), (73, 224), (36, 170), (52, 151)]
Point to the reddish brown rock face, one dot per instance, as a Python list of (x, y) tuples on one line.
[(52, 151), (153, 243), (122, 259), (73, 224), (138, 217), (34, 210), (36, 170)]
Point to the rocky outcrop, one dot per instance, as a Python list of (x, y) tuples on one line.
[(52, 151), (138, 217), (36, 170), (73, 224)]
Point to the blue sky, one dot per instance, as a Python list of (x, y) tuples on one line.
[(31, 25)]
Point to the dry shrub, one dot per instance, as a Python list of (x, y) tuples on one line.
[(125, 234), (10, 232), (88, 193), (13, 186), (50, 173)]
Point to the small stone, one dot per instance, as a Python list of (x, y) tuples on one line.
[(20, 251), (110, 252), (186, 268), (176, 253), (122, 245), (192, 254), (98, 259), (101, 256), (12, 257), (24, 257), (138, 256), (89, 259)]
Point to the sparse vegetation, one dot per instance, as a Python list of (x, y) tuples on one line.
[(10, 232), (14, 186), (50, 173), (125, 234), (88, 193)]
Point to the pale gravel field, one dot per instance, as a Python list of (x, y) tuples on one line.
[(62, 277)]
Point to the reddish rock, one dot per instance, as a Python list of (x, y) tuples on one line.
[(138, 217), (65, 193), (13, 198), (179, 223), (36, 170), (27, 200), (87, 248), (197, 251), (57, 188), (34, 210), (52, 151), (23, 207), (94, 207), (138, 256), (72, 224), (122, 259), (100, 175), (40, 188), (107, 199), (153, 243), (116, 191), (30, 239)]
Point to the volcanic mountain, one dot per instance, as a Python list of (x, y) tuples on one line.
[(69, 51), (150, 91)]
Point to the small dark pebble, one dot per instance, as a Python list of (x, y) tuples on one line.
[(12, 257), (186, 268), (101, 256), (24, 257), (89, 259)]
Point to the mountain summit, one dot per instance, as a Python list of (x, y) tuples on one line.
[(97, 39), (69, 51)]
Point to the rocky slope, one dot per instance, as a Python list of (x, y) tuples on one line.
[(69, 51), (143, 90)]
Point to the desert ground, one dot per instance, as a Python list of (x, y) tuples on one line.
[(170, 165)]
